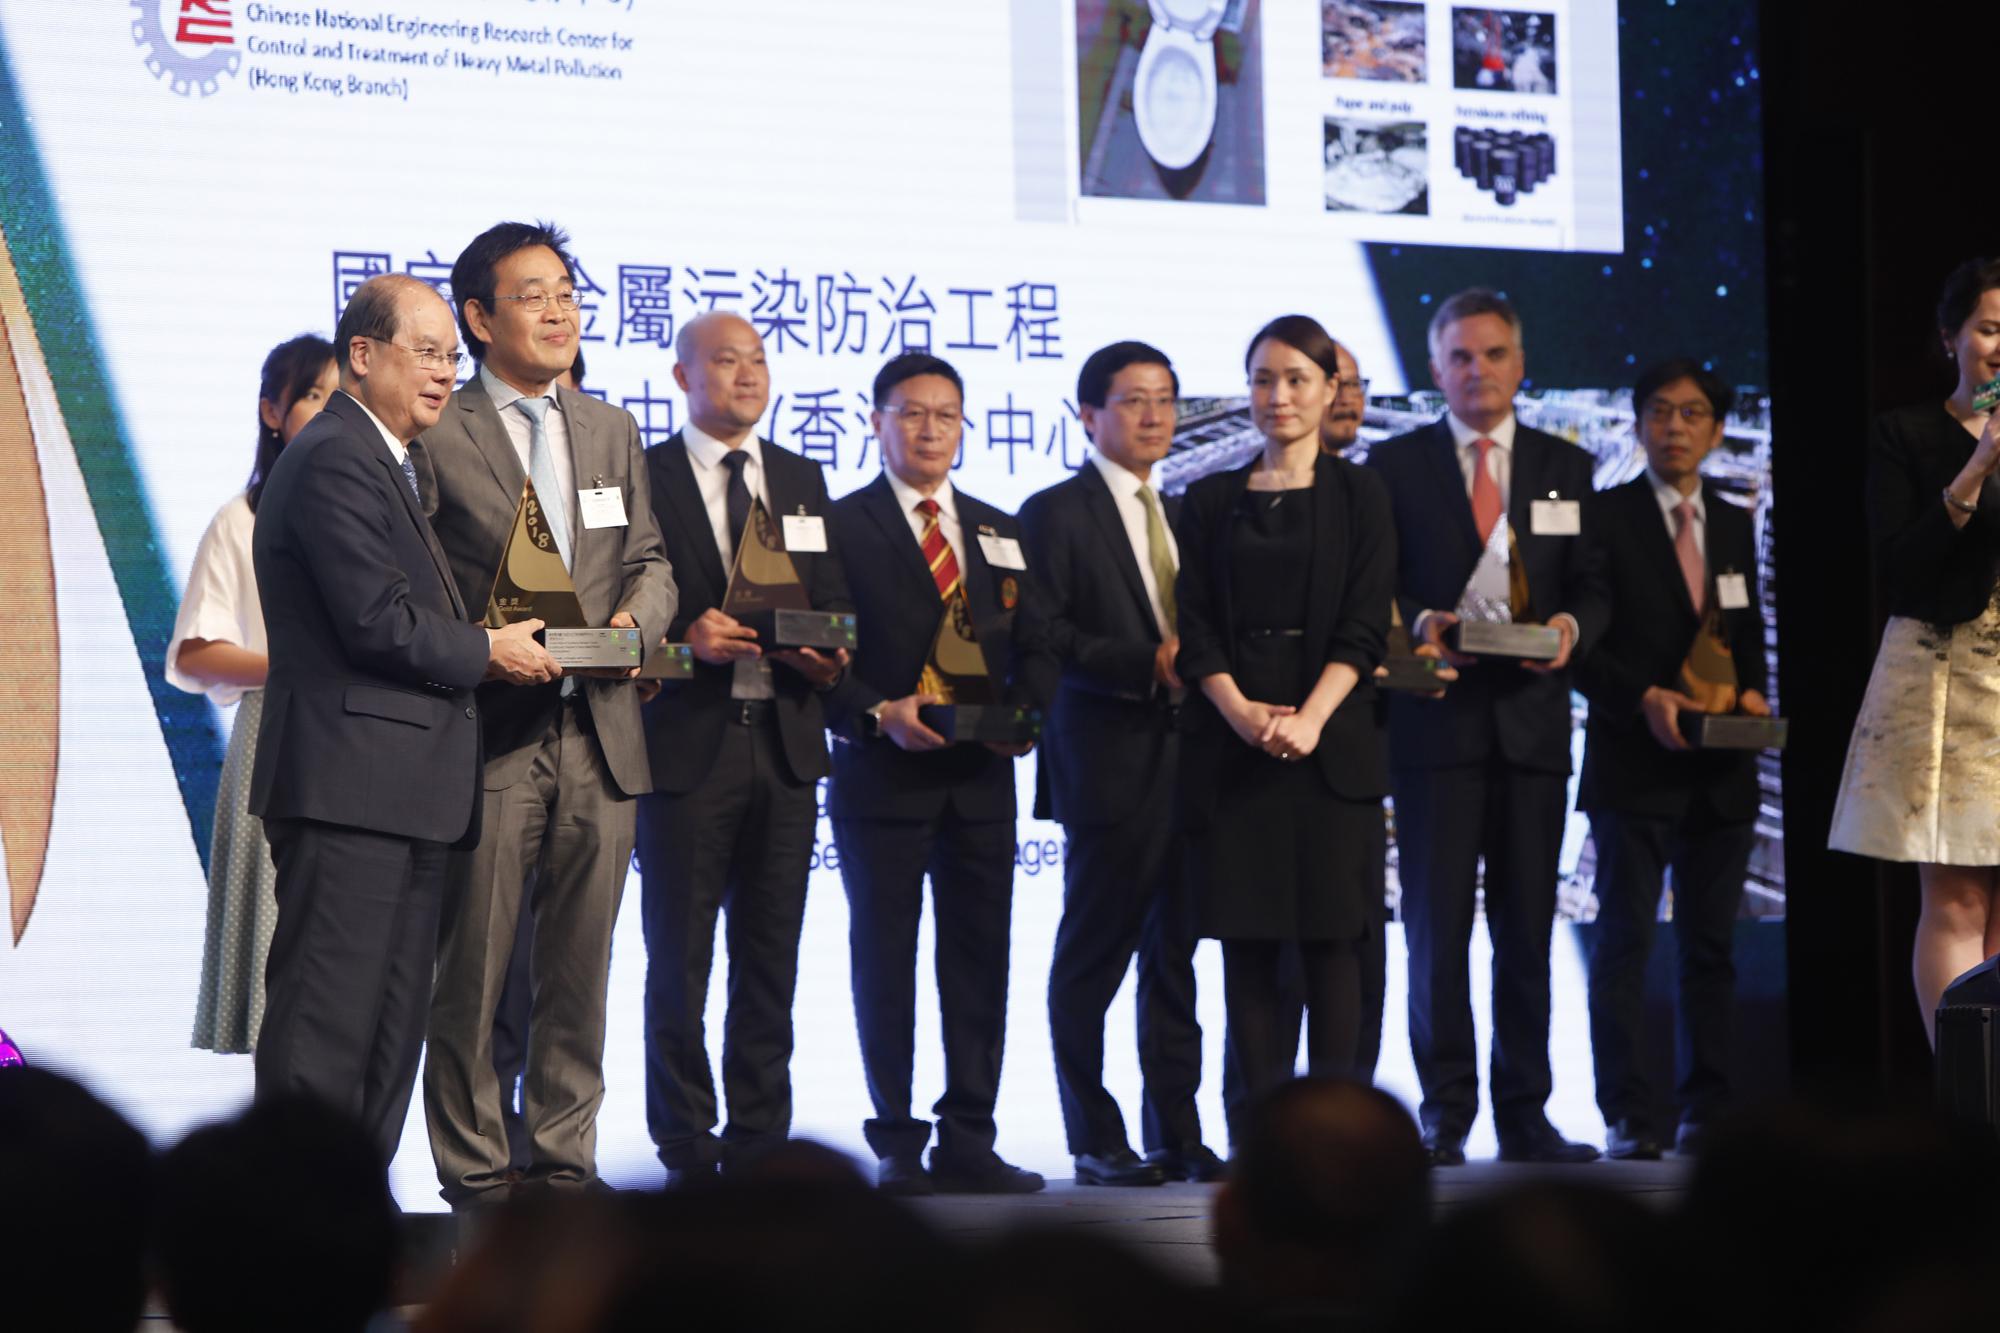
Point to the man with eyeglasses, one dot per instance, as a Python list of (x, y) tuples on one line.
[(565, 760), (906, 804), (368, 756), (1342, 425), (738, 751), (1105, 559), (1678, 554)]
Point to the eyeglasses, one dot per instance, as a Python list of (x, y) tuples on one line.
[(428, 358), (537, 302), (1138, 404), (914, 417), (1694, 414), (1353, 389)]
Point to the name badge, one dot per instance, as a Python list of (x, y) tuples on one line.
[(603, 507), (1555, 518), (1002, 552), (1732, 591), (805, 532)]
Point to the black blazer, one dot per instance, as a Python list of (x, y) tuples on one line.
[(1652, 624), (684, 724), (369, 719), (1495, 706), (1930, 570), (1350, 581), (1108, 727), (896, 603)]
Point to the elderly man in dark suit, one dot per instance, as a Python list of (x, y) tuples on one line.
[(564, 761), (906, 804), (1104, 554), (738, 751), (368, 757), (1481, 774), (1677, 555)]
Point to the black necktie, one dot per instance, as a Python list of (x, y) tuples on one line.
[(736, 499)]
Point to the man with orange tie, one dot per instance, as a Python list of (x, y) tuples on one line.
[(907, 804), (1482, 773)]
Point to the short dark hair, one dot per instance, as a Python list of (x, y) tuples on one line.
[(1464, 305), (1657, 377), (1962, 290), (1093, 382), (1303, 334), (290, 368), (472, 273), (907, 367), (374, 311)]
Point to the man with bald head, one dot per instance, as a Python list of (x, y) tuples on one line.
[(738, 751), (565, 762), (368, 756)]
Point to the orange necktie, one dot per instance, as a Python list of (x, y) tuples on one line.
[(1486, 506)]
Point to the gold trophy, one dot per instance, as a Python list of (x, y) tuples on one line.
[(1495, 615), (532, 584), (1402, 669), (765, 593), (1708, 676), (956, 672)]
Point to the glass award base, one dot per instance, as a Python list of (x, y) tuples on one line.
[(1733, 731), (669, 661), (983, 722), (593, 649), (1498, 638), (1407, 671), (828, 630)]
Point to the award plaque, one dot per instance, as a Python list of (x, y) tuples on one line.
[(532, 584), (1402, 669), (669, 661), (1494, 613), (972, 710), (1708, 676), (765, 593)]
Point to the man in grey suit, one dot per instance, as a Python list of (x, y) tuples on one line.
[(368, 756), (564, 761)]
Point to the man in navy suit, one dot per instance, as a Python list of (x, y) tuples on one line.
[(1104, 555), (368, 759), (1675, 550), (906, 804), (1481, 774)]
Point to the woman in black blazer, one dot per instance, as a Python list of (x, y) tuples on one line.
[(1922, 781), (1287, 570)]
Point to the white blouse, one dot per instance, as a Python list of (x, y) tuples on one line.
[(221, 602)]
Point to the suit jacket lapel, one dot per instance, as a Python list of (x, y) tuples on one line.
[(1525, 486), (1443, 456), (1657, 545), (1097, 498), (482, 424), (1326, 572), (880, 502), (1222, 550), (590, 463), (357, 417), (685, 496)]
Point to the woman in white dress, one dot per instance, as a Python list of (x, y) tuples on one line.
[(1922, 782), (218, 649)]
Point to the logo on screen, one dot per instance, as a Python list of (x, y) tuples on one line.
[(189, 43), (10, 1054)]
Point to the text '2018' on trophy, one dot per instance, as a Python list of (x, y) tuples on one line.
[(532, 584), (1494, 613), (766, 595), (973, 710), (1709, 678)]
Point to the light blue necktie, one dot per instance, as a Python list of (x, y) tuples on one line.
[(542, 471), (410, 475)]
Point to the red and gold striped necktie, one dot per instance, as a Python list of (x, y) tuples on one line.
[(937, 551)]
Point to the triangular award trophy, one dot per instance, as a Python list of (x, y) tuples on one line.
[(1494, 613), (1709, 678), (972, 710), (765, 593), (532, 584), (1402, 669)]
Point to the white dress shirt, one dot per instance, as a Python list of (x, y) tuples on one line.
[(1670, 499), (909, 498), (396, 446), (221, 605), (705, 452), (1125, 488), (521, 433)]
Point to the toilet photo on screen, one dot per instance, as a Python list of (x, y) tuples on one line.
[(1170, 100)]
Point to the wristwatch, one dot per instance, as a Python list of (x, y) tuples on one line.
[(871, 721)]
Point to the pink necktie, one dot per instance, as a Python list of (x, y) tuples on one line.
[(1689, 554), (1485, 492)]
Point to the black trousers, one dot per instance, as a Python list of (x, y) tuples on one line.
[(1709, 858), (1449, 820), (740, 843), (883, 863), (348, 979), (1125, 891), (1260, 979)]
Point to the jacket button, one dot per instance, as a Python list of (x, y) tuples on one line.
[(472, 713)]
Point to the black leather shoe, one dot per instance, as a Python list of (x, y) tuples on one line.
[(1196, 1164), (1122, 1167), (1630, 1141), (691, 1177), (1543, 1144), (991, 1176), (902, 1176), (1444, 1147), (1690, 1138)]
